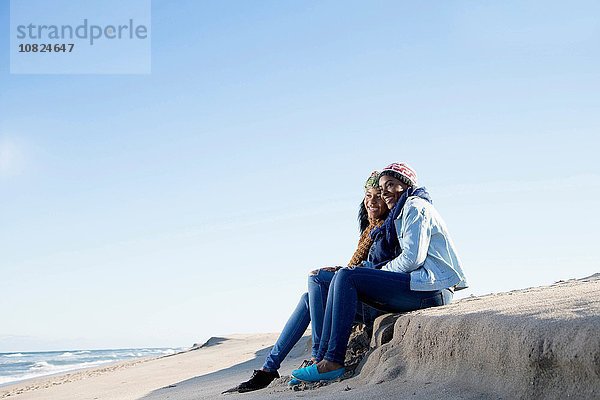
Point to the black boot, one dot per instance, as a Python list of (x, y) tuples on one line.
[(260, 379)]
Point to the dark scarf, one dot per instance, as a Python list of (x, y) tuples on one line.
[(385, 238)]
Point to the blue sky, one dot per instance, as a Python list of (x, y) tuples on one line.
[(160, 209)]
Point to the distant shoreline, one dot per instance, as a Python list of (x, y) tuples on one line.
[(23, 366), (145, 373)]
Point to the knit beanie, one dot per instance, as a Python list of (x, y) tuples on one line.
[(401, 171)]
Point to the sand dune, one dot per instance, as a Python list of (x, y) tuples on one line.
[(538, 343), (533, 343)]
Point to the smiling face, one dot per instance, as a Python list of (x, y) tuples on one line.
[(391, 189), (374, 204)]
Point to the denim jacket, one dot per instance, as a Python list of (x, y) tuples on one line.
[(427, 251)]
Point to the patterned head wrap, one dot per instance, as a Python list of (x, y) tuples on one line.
[(372, 181), (401, 171)]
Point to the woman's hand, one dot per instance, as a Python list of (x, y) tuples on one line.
[(329, 269)]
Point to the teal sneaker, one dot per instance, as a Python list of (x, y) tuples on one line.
[(312, 374)]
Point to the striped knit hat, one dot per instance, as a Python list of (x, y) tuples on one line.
[(401, 171)]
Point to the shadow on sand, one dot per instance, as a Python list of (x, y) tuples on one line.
[(211, 385)]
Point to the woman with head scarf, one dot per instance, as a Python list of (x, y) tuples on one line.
[(311, 308)]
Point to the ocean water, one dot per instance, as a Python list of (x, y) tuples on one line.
[(16, 367)]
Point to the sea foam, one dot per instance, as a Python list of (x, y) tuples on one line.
[(15, 367)]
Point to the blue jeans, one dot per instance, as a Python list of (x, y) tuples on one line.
[(310, 308), (384, 290)]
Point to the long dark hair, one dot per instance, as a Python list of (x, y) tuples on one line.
[(363, 217)]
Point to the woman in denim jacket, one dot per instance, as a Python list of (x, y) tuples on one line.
[(421, 270), (311, 308)]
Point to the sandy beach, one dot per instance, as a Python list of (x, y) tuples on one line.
[(135, 379), (532, 343)]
